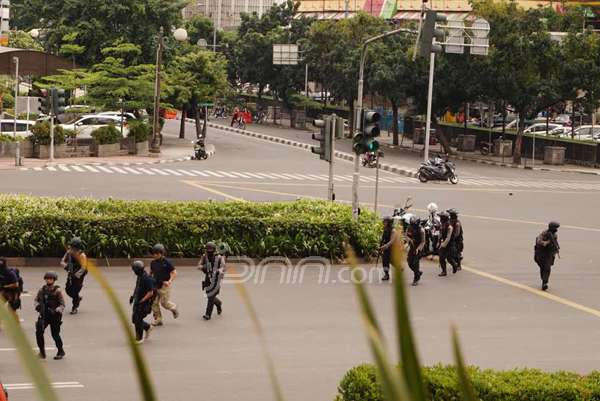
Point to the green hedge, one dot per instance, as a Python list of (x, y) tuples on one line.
[(41, 226), (107, 135), (361, 384)]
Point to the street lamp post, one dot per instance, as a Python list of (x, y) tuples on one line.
[(18, 144), (121, 101), (359, 107), (180, 35)]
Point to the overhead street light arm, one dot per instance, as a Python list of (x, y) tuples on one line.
[(359, 104)]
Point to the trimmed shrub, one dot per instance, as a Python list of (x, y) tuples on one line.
[(107, 135), (8, 138), (361, 384), (40, 134), (140, 130), (41, 226)]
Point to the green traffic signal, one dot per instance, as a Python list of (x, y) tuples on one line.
[(364, 140)]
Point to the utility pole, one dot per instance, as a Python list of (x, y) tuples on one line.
[(429, 105), (155, 148), (330, 192), (375, 206)]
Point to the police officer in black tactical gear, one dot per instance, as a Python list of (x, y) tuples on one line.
[(75, 263), (457, 233), (416, 242), (447, 250), (50, 304), (212, 265), (141, 301), (388, 238), (10, 286), (546, 249)]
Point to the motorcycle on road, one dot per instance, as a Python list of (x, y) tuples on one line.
[(438, 169)]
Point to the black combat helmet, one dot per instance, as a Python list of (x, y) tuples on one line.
[(444, 217), (158, 249), (51, 275), (453, 213), (76, 243), (553, 226), (211, 247)]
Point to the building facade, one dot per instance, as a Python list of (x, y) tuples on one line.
[(226, 14), (4, 16)]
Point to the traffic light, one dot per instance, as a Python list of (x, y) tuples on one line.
[(45, 101), (58, 101), (364, 141), (430, 34), (324, 149)]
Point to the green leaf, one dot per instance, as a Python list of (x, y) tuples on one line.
[(466, 388), (30, 360), (406, 343), (143, 375)]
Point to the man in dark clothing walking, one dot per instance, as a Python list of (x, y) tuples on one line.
[(545, 251), (75, 263), (50, 304), (388, 238), (447, 250), (416, 242), (212, 265), (141, 300)]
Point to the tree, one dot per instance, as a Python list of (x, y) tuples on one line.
[(394, 75), (98, 23), (195, 78), (23, 40)]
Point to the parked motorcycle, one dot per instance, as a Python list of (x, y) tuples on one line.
[(401, 215), (369, 160), (438, 169)]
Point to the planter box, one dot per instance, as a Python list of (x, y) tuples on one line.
[(502, 148), (113, 149), (43, 151), (466, 143), (554, 155), (141, 148), (9, 149)]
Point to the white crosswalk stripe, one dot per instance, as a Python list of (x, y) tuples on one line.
[(132, 170), (292, 176), (90, 168)]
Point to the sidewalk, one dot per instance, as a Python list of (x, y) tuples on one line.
[(409, 155), (172, 150)]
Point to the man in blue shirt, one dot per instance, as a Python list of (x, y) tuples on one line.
[(164, 274)]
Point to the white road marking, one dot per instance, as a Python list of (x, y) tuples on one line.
[(146, 171), (214, 174), (64, 168), (31, 386), (118, 170), (132, 170), (159, 171), (172, 172), (187, 173), (90, 168), (201, 173), (106, 170), (77, 168)]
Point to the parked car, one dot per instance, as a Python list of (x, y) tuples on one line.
[(127, 116), (85, 125), (541, 128), (7, 127), (587, 132)]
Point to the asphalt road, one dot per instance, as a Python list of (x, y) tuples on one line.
[(313, 329)]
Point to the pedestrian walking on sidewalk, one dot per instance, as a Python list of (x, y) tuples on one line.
[(164, 274), (75, 263), (545, 251), (50, 304), (141, 301), (212, 265)]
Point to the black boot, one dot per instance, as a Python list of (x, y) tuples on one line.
[(42, 354), (443, 274), (386, 276), (544, 286), (60, 354), (219, 309), (206, 317)]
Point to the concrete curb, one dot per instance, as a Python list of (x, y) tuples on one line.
[(500, 164), (391, 168), (49, 263)]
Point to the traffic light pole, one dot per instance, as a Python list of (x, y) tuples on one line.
[(429, 101), (359, 108), (330, 192)]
